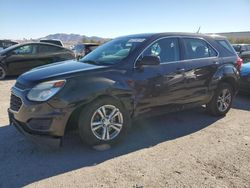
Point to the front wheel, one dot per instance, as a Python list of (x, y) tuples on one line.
[(221, 101), (104, 121)]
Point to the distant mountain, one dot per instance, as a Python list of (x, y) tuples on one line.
[(74, 38)]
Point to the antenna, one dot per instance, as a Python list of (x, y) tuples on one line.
[(198, 30)]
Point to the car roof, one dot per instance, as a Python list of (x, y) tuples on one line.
[(89, 43), (27, 43), (156, 35), (51, 40)]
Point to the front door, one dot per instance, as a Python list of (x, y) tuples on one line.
[(22, 59), (162, 87)]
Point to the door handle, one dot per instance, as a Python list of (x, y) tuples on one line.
[(180, 71), (216, 63)]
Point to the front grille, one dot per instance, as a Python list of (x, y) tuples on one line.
[(15, 103), (20, 86)]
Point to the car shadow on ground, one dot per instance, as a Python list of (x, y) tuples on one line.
[(8, 78), (242, 102), (23, 163)]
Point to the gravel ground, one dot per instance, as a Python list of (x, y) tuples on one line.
[(185, 149)]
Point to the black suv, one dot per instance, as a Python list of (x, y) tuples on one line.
[(126, 78)]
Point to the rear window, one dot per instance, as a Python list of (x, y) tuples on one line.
[(49, 49), (197, 48), (226, 46)]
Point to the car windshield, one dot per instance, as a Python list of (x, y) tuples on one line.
[(113, 51)]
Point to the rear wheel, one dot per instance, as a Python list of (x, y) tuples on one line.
[(2, 73), (221, 101), (104, 121)]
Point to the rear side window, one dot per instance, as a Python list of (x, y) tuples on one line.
[(29, 49), (226, 46), (248, 47), (166, 49), (197, 48), (49, 49), (56, 42)]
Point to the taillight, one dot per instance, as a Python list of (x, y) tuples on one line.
[(239, 63)]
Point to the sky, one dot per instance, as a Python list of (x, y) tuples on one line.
[(111, 18)]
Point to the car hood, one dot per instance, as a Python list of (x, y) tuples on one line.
[(57, 70), (245, 70)]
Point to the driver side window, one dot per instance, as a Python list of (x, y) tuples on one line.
[(166, 49), (26, 50)]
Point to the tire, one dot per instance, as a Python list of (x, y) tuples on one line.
[(2, 73), (93, 123), (222, 100)]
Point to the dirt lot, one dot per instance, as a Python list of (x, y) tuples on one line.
[(186, 149)]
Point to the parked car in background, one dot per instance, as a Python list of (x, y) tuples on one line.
[(6, 43), (52, 41), (126, 78), (245, 78), (20, 58), (83, 49), (243, 50)]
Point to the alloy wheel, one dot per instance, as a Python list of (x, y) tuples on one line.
[(224, 100), (106, 122)]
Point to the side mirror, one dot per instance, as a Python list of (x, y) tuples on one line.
[(149, 60)]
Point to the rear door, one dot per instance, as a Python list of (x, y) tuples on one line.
[(50, 54), (22, 59), (201, 61)]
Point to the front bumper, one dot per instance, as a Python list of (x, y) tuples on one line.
[(40, 122), (38, 139)]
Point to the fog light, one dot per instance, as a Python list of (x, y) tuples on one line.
[(40, 124)]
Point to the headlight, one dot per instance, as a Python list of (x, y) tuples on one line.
[(45, 90)]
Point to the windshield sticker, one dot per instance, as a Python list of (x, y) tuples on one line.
[(136, 40)]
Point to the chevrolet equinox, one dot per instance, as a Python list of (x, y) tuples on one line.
[(127, 77)]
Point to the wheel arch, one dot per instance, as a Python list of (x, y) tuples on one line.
[(225, 74), (231, 81), (73, 118)]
